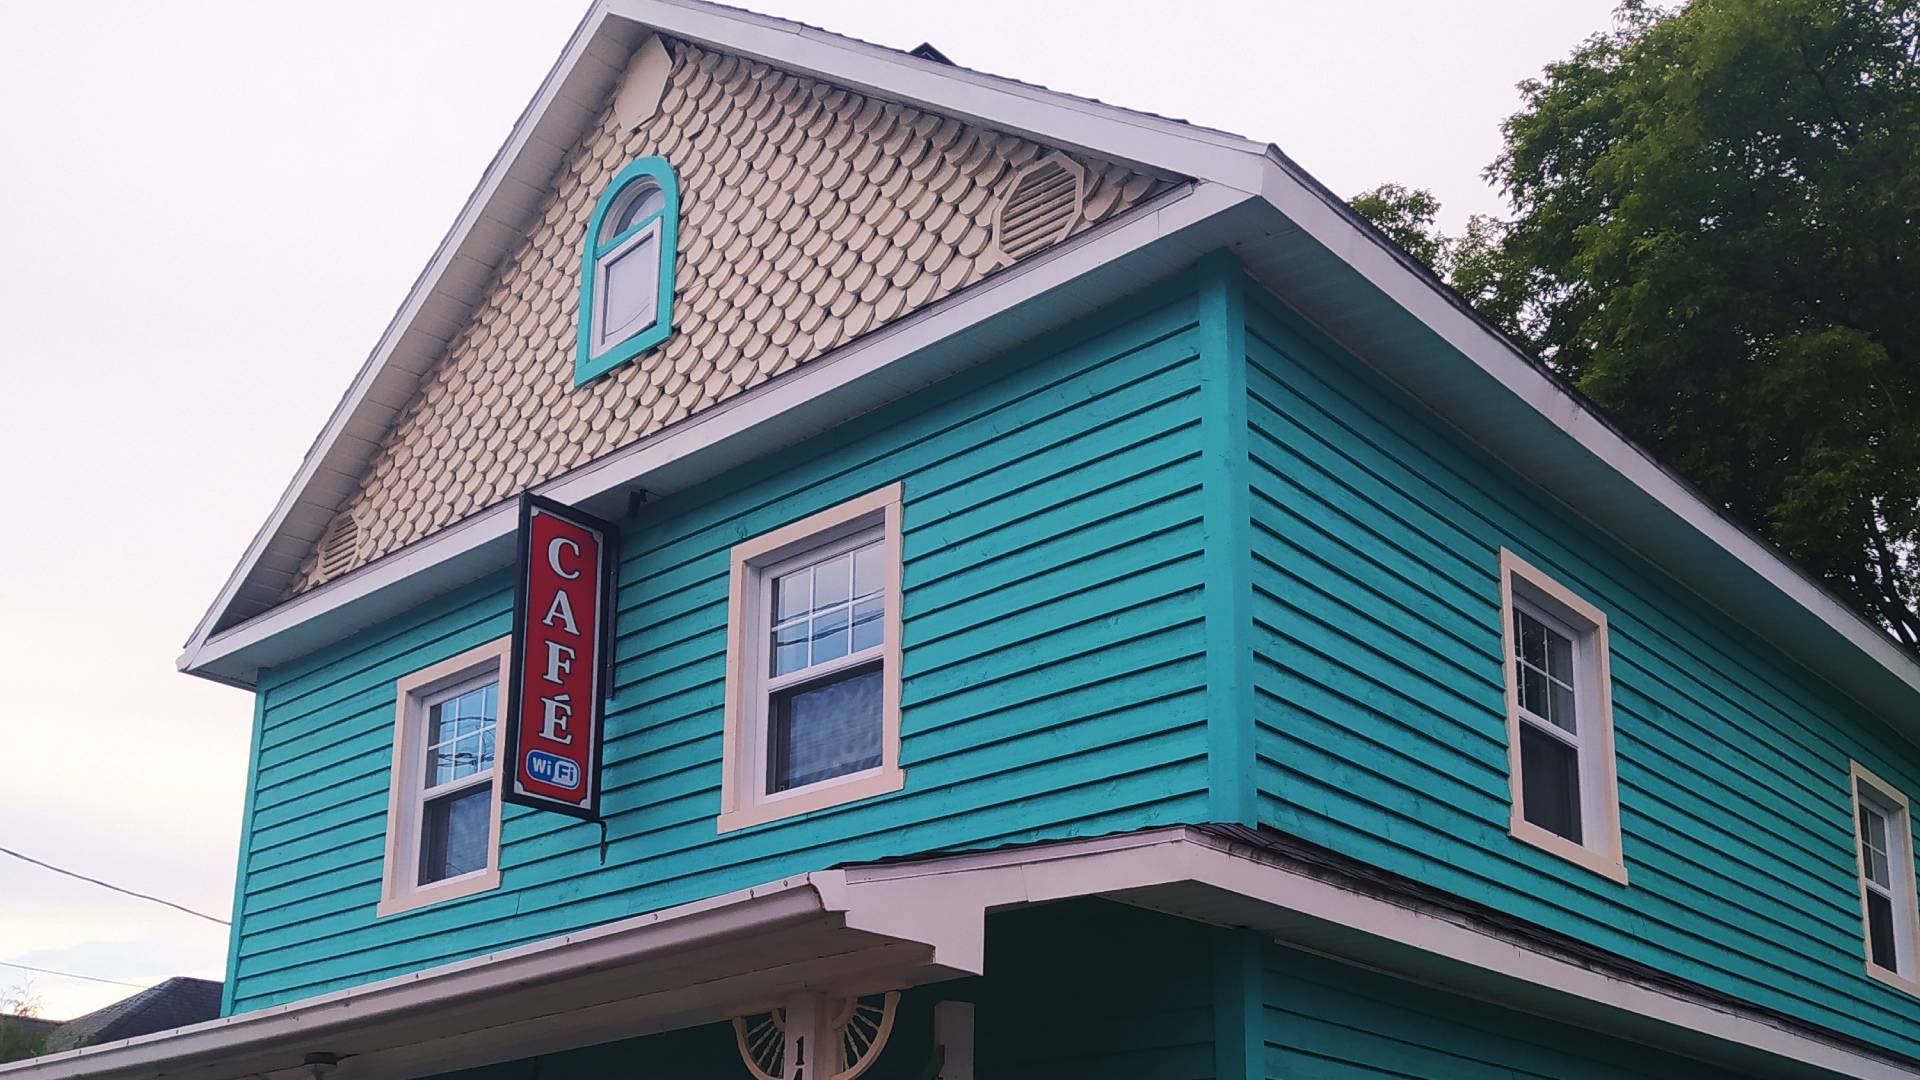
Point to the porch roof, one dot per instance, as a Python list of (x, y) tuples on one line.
[(863, 928)]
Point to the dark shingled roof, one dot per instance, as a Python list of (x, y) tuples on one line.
[(174, 1003)]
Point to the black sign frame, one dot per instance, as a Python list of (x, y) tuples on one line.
[(605, 612)]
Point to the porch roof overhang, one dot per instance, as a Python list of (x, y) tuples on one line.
[(865, 928), (693, 964)]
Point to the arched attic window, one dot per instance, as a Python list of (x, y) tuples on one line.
[(626, 276)]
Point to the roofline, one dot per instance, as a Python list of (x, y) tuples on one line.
[(1164, 146), (1414, 286), (1226, 162)]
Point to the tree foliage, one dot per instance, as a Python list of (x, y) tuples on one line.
[(20, 1040), (1714, 236)]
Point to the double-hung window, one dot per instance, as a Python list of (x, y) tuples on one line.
[(443, 808), (1889, 913), (1559, 720), (813, 664)]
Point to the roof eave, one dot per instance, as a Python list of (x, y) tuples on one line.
[(1725, 564)]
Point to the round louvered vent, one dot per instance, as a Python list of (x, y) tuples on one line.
[(862, 1026), (339, 548), (1041, 206)]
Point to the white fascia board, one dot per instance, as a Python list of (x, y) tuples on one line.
[(1038, 294), (1335, 226), (1173, 148), (1142, 867)]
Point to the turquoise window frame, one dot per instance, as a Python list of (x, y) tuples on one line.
[(586, 365)]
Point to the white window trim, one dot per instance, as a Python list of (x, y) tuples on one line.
[(744, 800), (605, 337), (1599, 788), (398, 891), (1900, 868)]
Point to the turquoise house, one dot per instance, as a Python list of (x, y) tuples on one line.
[(1083, 604)]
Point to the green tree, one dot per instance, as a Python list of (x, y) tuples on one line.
[(20, 1038), (1714, 236)]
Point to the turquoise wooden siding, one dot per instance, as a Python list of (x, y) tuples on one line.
[(1380, 718), (1054, 670), (1330, 1021)]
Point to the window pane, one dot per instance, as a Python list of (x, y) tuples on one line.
[(1533, 639), (830, 635), (790, 647), (792, 594), (454, 830), (1533, 690), (1880, 931), (867, 623), (831, 581), (867, 576), (1549, 782), (630, 284), (644, 205), (1562, 703), (1559, 657), (824, 729)]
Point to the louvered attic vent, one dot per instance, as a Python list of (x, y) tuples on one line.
[(1041, 206), (339, 547)]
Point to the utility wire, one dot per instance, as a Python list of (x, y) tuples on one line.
[(70, 975), (115, 888)]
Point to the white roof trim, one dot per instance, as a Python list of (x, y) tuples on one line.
[(592, 60), (938, 906), (1335, 226)]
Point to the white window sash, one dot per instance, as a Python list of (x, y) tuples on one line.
[(409, 794), (604, 336), (745, 798), (1527, 591)]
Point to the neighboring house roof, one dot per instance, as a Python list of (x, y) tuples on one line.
[(177, 1002), (1293, 236)]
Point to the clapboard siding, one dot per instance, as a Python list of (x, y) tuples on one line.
[(1329, 1021), (1053, 670), (1380, 723)]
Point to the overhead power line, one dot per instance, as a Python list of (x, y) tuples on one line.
[(70, 975), (115, 888)]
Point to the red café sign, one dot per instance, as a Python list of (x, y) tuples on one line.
[(562, 630)]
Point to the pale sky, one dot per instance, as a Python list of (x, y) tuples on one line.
[(208, 212)]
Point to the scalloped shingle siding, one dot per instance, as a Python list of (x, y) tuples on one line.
[(809, 216)]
